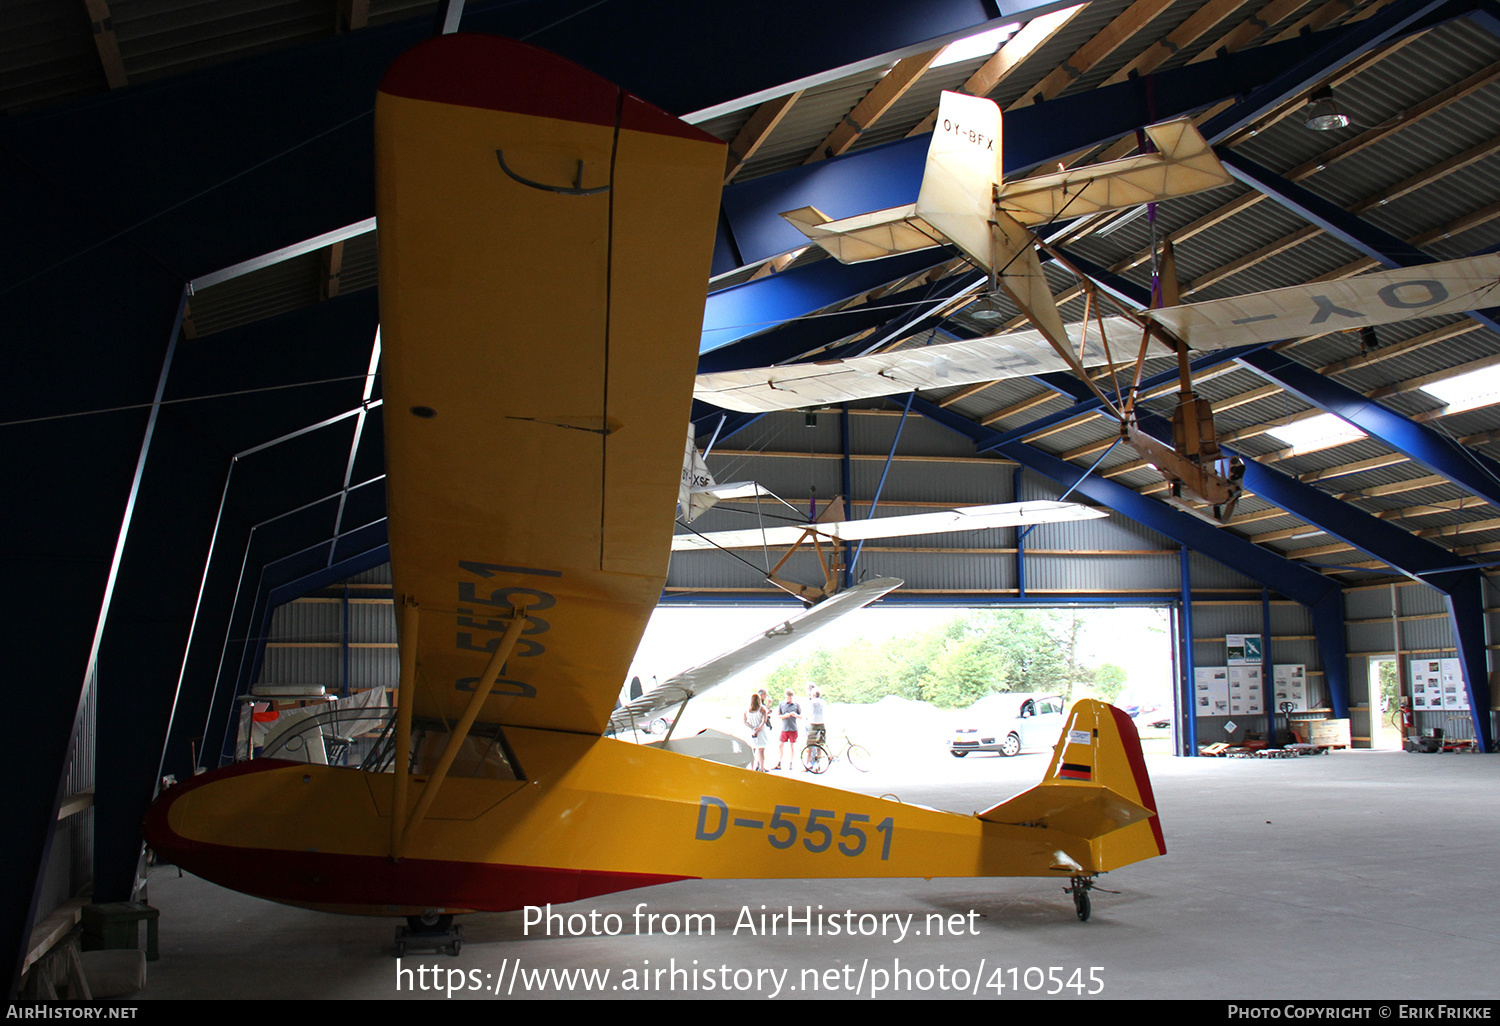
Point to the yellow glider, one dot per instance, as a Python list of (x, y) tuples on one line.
[(545, 240)]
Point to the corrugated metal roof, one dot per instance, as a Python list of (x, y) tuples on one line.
[(49, 55)]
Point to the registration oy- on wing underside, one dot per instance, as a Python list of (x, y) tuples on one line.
[(1380, 297)]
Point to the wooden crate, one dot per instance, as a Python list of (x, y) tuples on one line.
[(1328, 733)]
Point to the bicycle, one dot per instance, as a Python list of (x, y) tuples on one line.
[(816, 756)]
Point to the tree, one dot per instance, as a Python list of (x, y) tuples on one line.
[(1109, 682), (976, 653)]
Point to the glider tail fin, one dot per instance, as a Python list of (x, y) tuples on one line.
[(694, 494), (1096, 788), (962, 173)]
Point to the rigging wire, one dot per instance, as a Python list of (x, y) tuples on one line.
[(190, 399), (721, 548)]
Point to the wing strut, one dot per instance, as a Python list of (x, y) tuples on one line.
[(460, 730)]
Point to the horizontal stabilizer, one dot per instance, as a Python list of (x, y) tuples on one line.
[(1095, 788), (971, 518), (700, 678), (961, 192), (880, 233), (713, 745), (699, 492), (1094, 814)]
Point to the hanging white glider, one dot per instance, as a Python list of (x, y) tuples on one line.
[(699, 492), (969, 518), (965, 202), (963, 189), (1382, 297), (700, 678)]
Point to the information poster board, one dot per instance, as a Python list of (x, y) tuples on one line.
[(1243, 649), (1437, 684), (1290, 685), (1247, 696), (1211, 690)]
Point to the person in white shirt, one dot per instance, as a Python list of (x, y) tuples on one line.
[(757, 721), (817, 728)]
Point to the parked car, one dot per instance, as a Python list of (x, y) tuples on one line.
[(1009, 724), (1155, 716)]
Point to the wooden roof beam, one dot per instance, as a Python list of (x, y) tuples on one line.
[(877, 101), (756, 131), (103, 26), (1109, 39), (1035, 34), (1198, 24)]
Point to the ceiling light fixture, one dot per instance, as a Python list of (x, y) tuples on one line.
[(1313, 433), (1467, 391), (1322, 114), (979, 45)]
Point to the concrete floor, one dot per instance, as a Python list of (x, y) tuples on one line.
[(1355, 875)]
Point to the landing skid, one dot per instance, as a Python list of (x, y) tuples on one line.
[(429, 932)]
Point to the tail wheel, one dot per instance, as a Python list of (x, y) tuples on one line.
[(815, 758), (859, 757), (1081, 904), (430, 922), (1080, 891), (1011, 745)]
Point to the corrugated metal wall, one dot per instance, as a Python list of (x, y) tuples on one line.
[(346, 634), (342, 637), (798, 460)]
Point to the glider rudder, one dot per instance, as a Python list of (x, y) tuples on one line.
[(1096, 788)]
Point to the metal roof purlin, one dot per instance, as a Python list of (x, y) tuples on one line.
[(1396, 20), (1470, 470), (1291, 580)]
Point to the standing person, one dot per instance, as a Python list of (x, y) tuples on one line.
[(786, 751), (817, 728), (757, 721)]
